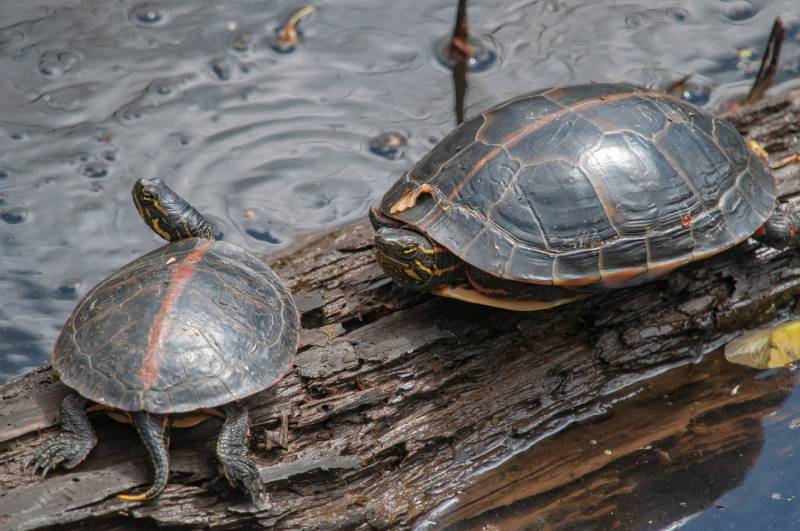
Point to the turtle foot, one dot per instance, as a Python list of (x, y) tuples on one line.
[(64, 449), (240, 471), (72, 445), (243, 474)]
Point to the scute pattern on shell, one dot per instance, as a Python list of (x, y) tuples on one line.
[(591, 185), (230, 332)]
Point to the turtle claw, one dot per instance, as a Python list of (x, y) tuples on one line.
[(71, 446), (243, 474), (63, 448)]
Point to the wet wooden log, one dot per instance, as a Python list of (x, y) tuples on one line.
[(678, 443), (397, 400)]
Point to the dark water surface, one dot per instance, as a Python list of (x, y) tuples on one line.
[(98, 92), (95, 93)]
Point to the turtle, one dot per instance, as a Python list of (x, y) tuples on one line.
[(175, 337), (563, 192)]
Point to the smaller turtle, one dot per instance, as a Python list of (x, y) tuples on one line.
[(171, 339)]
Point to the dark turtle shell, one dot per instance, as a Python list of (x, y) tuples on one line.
[(590, 185), (197, 323)]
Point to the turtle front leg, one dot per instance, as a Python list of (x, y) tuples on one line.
[(154, 430), (240, 471), (782, 229), (72, 445)]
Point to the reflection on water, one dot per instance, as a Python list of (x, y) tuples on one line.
[(270, 144), (705, 446)]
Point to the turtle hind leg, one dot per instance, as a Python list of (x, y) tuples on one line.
[(154, 431), (782, 229), (72, 445), (232, 444)]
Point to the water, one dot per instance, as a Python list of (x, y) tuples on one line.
[(96, 93), (702, 447)]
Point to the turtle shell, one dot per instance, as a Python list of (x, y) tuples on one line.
[(194, 324), (591, 185)]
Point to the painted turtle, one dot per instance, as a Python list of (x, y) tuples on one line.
[(189, 327), (566, 191)]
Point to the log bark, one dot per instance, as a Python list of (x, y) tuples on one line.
[(398, 400)]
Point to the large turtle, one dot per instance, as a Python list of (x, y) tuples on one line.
[(566, 191), (195, 325)]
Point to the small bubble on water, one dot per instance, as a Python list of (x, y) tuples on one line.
[(242, 42), (56, 63), (740, 10), (264, 236), (69, 287), (4, 174), (110, 155), (634, 21), (181, 138), (18, 135), (678, 14), (14, 215), (388, 145), (146, 14), (483, 55), (221, 69), (95, 169)]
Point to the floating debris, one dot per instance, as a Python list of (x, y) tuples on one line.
[(249, 213), (766, 348), (288, 35), (388, 145)]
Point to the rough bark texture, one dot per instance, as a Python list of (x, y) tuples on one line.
[(398, 399)]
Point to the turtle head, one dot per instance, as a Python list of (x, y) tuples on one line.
[(167, 213), (413, 260)]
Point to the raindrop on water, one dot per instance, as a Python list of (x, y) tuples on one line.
[(221, 69), (740, 10), (678, 14), (69, 287), (95, 169), (264, 236), (482, 57), (14, 215), (634, 21), (147, 14)]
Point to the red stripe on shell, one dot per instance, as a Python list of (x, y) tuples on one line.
[(182, 273)]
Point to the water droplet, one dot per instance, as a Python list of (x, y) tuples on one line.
[(242, 41), (678, 14), (69, 287), (110, 155), (740, 10), (146, 14), (180, 138), (56, 63), (95, 169), (14, 215), (389, 145), (221, 69), (482, 57), (634, 21), (264, 236)]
